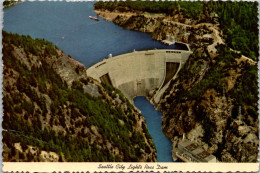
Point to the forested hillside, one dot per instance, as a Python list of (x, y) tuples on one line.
[(8, 3), (238, 20), (213, 100), (54, 112)]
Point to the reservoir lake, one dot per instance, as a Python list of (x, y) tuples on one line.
[(68, 26)]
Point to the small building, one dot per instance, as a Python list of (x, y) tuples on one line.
[(170, 40), (188, 151)]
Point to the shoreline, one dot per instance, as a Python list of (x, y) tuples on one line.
[(111, 15), (216, 33)]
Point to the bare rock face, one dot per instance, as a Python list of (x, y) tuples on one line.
[(49, 156), (30, 153), (251, 138), (68, 68), (138, 22)]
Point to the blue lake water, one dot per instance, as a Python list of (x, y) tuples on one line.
[(86, 40), (68, 26), (153, 119)]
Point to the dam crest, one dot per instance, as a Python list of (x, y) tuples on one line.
[(141, 73)]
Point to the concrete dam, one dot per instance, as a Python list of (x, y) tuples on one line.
[(141, 73)]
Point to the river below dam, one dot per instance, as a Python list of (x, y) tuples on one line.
[(68, 26), (154, 123)]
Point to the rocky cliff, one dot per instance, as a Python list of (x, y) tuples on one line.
[(213, 100), (54, 112)]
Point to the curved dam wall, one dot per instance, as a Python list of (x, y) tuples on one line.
[(140, 73)]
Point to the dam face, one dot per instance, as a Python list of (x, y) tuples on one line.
[(140, 73)]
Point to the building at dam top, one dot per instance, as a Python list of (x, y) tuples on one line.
[(141, 73)]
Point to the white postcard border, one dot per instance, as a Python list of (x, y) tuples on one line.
[(128, 167), (115, 166)]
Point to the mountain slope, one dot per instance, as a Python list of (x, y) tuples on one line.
[(213, 100), (54, 112)]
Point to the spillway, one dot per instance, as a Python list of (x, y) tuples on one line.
[(140, 73)]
